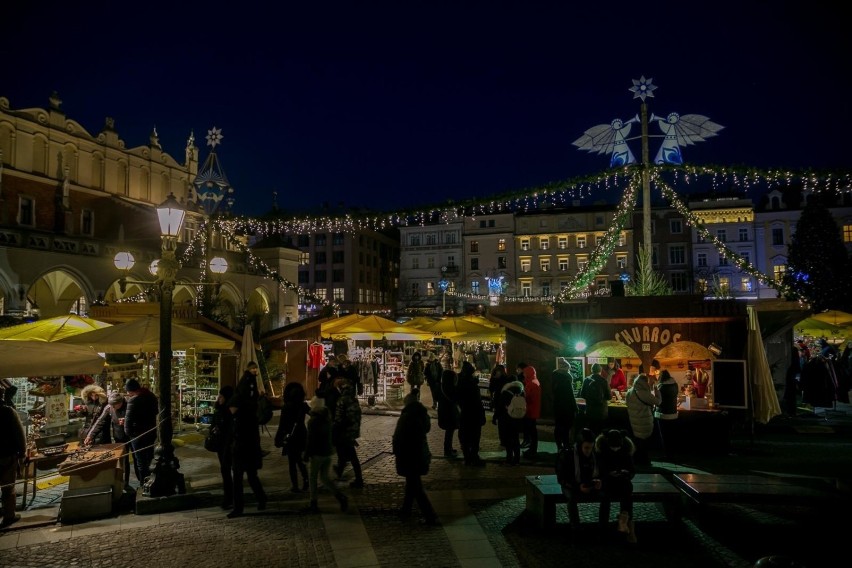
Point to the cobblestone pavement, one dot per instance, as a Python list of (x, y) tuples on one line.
[(481, 512)]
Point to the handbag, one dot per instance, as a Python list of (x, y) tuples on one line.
[(285, 441), (213, 440)]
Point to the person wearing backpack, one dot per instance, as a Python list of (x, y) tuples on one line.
[(508, 426), (532, 393)]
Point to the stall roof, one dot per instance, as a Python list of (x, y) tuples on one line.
[(776, 322), (296, 328), (540, 327)]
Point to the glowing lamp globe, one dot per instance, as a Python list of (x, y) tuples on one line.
[(124, 261), (152, 268), (218, 265), (170, 214)]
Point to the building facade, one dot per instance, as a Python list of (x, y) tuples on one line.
[(430, 268)]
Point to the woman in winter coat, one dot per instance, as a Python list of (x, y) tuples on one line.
[(318, 451), (223, 422), (94, 401), (532, 390), (448, 409), (641, 400), (248, 458), (471, 415), (292, 427), (508, 428), (666, 412), (413, 456), (416, 373)]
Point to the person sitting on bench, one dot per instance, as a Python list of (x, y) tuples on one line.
[(577, 473), (615, 462)]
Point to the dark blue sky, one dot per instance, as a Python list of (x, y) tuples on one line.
[(396, 104)]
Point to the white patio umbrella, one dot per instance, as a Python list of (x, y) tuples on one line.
[(766, 404), (248, 353)]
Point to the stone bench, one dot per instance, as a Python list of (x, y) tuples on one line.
[(543, 493), (705, 488)]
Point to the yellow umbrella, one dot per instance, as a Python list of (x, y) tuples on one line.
[(481, 320), (143, 335), (377, 328), (328, 327), (52, 329), (835, 317), (419, 322), (462, 329), (41, 359), (817, 327)]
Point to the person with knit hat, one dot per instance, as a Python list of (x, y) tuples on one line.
[(13, 447), (140, 425)]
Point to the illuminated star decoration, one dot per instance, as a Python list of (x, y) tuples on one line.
[(214, 137), (643, 88)]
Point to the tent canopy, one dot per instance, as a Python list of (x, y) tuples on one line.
[(375, 328), (611, 348), (330, 326), (52, 329), (40, 358), (143, 336), (461, 329)]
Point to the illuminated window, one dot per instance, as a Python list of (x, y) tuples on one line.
[(847, 233), (338, 294), (526, 264), (778, 272), (582, 262), (321, 293), (621, 261), (600, 283), (501, 244), (525, 243), (724, 285), (526, 289), (562, 242), (544, 243), (563, 263), (545, 287), (581, 241), (622, 239), (544, 264), (430, 288), (745, 284), (474, 246), (430, 262), (474, 287), (598, 240)]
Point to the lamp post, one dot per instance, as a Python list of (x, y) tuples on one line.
[(443, 285)]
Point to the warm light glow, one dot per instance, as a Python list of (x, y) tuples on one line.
[(152, 268), (580, 346), (170, 215), (218, 265), (124, 261)]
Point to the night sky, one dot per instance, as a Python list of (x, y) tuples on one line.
[(388, 105)]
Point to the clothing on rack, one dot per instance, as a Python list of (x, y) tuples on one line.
[(316, 355)]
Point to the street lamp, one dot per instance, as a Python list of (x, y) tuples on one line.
[(443, 285)]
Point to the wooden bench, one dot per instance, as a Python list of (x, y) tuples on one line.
[(543, 493), (705, 488)]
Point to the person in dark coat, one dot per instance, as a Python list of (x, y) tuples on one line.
[(564, 406), (346, 429), (595, 391), (112, 419), (292, 427), (94, 401), (223, 421), (13, 448), (578, 474), (319, 451), (247, 452), (140, 425), (472, 415), (433, 374), (413, 456), (498, 379), (614, 451), (509, 429), (448, 409)]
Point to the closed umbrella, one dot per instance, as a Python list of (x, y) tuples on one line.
[(248, 353), (52, 329), (766, 405)]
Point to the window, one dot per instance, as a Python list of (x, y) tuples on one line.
[(655, 256), (721, 235), (701, 286), (526, 289), (415, 262), (599, 220), (622, 239), (26, 211), (745, 284), (337, 239), (451, 262), (415, 289), (677, 254), (581, 241), (474, 264), (563, 285), (320, 276), (702, 259), (676, 226), (430, 288), (87, 222), (414, 240), (723, 260), (474, 246), (482, 224), (338, 294), (501, 244), (320, 293), (562, 242), (450, 238), (621, 261), (525, 264), (474, 287), (501, 263), (724, 285), (491, 222), (598, 240), (582, 262), (545, 287), (431, 239), (746, 256), (430, 262), (778, 236), (743, 232), (679, 282), (600, 283), (544, 243), (525, 243), (700, 238), (778, 272), (338, 257), (320, 240), (337, 275), (320, 257), (544, 264), (563, 263)]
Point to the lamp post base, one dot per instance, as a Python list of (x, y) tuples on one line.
[(165, 479)]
